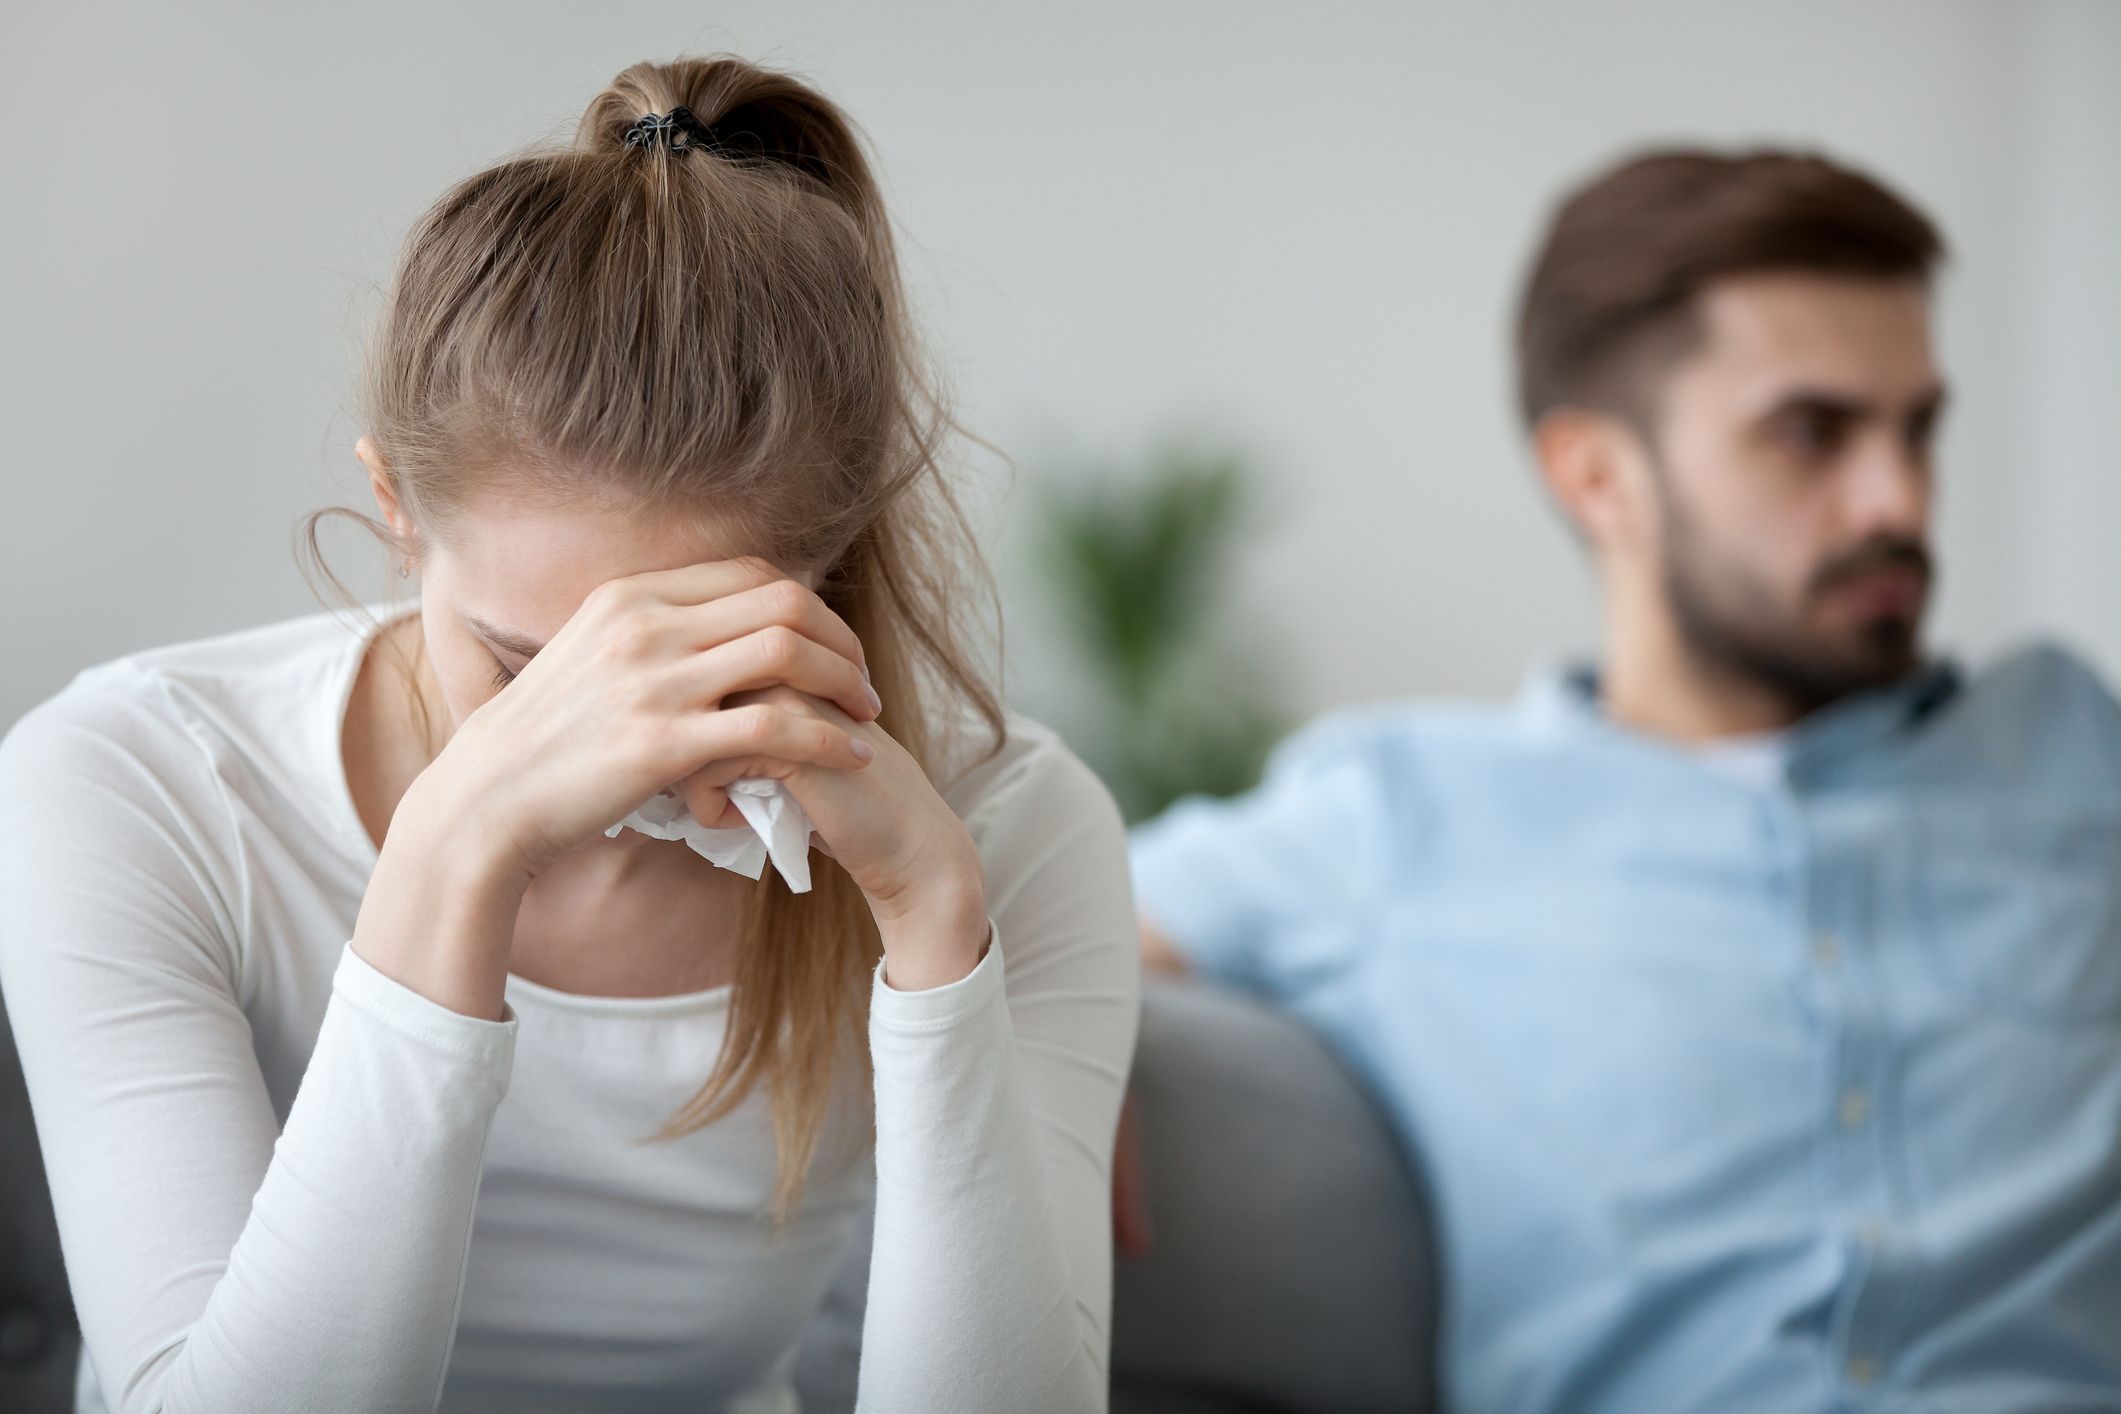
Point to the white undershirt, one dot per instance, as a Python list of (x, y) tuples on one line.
[(284, 1181), (1755, 759)]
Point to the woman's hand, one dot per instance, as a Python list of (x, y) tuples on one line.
[(895, 836), (636, 692)]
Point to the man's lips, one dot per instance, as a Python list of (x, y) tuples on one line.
[(1888, 592)]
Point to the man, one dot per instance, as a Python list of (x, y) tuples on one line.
[(1751, 998)]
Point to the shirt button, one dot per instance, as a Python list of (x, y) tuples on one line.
[(1826, 949), (1863, 1369), (1855, 1105)]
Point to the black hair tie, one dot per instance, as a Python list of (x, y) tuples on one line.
[(678, 131)]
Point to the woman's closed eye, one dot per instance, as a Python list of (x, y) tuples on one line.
[(502, 677)]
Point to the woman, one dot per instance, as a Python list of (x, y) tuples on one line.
[(373, 1074)]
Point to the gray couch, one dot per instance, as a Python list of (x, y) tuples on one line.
[(37, 1336), (1291, 1271)]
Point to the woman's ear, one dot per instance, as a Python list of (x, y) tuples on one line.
[(386, 495)]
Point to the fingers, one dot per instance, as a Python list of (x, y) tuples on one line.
[(778, 601), (765, 739), (705, 790), (701, 581), (708, 802), (776, 655), (719, 601), (764, 593), (782, 695)]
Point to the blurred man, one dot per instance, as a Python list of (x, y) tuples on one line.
[(1751, 996)]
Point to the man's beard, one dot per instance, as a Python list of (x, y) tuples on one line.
[(1735, 629)]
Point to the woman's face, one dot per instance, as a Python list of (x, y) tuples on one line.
[(511, 574)]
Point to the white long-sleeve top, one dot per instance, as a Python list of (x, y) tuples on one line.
[(286, 1182)]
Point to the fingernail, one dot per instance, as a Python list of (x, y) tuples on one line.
[(863, 750), (876, 704)]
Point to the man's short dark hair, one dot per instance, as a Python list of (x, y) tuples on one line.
[(1611, 301)]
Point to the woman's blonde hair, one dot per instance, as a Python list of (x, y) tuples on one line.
[(712, 332)]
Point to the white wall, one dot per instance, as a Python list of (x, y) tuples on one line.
[(1298, 226), (2066, 401)]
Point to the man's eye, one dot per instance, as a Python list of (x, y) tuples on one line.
[(502, 677), (1811, 434), (1921, 432)]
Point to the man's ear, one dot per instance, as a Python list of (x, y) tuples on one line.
[(1593, 464), (386, 495)]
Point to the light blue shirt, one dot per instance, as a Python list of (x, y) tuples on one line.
[(1785, 1092)]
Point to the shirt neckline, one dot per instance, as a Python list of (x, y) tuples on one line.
[(668, 1004), (1566, 694)]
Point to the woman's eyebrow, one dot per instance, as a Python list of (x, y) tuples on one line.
[(502, 638)]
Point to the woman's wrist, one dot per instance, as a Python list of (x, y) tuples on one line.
[(445, 814), (935, 933), (440, 910)]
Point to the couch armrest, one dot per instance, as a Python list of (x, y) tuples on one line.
[(1292, 1268)]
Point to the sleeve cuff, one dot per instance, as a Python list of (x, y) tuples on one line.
[(421, 1019), (935, 1007)]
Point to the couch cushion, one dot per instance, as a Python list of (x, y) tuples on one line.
[(1291, 1268), (38, 1340)]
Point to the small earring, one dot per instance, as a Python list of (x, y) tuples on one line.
[(404, 570)]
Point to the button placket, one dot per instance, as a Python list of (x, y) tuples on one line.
[(1856, 1200)]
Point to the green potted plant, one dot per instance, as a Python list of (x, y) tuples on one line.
[(1140, 566)]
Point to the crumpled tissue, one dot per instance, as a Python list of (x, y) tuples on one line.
[(775, 828)]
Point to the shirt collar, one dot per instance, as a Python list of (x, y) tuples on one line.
[(1563, 697)]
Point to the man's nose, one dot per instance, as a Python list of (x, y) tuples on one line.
[(1888, 489)]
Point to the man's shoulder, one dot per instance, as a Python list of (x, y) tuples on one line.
[(2048, 691), (2044, 712), (2044, 671)]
